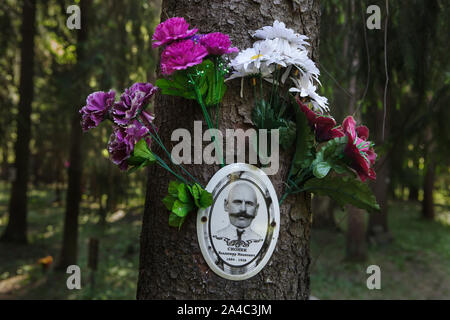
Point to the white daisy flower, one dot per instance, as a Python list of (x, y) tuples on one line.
[(251, 70), (255, 60), (281, 52), (305, 88), (279, 30), (269, 52)]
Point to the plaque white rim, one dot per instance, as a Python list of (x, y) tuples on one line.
[(202, 225)]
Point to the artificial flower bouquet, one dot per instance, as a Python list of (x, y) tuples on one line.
[(327, 158), (193, 65)]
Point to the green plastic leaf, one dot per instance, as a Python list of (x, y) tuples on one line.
[(287, 135), (183, 193), (139, 166), (344, 190), (206, 199), (141, 156), (263, 116), (331, 156), (177, 85), (169, 201), (176, 221), (183, 199), (304, 146), (141, 150), (321, 169), (181, 209), (173, 188), (202, 198), (215, 82), (196, 191)]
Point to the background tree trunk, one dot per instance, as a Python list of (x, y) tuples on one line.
[(323, 208), (428, 186), (70, 233), (171, 264), (356, 244), (413, 193), (356, 248), (377, 229), (16, 231)]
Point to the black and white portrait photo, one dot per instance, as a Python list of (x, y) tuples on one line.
[(242, 206), (240, 228)]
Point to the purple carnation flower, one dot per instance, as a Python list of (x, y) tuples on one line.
[(217, 44), (96, 108), (170, 30), (118, 149), (122, 141), (181, 55), (131, 102), (135, 131)]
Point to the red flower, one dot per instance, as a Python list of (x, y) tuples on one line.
[(324, 126), (325, 129), (359, 150), (310, 115)]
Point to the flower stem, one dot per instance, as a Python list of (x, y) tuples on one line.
[(165, 166), (158, 140), (207, 118)]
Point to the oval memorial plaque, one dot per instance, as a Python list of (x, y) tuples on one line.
[(238, 232)]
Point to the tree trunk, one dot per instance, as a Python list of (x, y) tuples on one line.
[(171, 263), (377, 229), (16, 231), (413, 193), (356, 244), (323, 208), (428, 186), (70, 233), (5, 164), (356, 248)]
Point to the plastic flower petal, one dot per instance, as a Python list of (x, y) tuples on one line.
[(132, 101), (363, 132), (97, 107), (279, 30), (119, 150), (253, 61), (170, 30), (122, 141), (217, 43), (310, 115), (359, 150), (324, 126), (326, 129), (182, 55), (305, 88)]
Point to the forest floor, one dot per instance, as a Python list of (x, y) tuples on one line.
[(416, 265)]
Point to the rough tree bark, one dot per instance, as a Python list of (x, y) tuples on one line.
[(69, 249), (171, 264), (16, 231)]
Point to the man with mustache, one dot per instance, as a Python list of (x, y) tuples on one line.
[(242, 207)]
